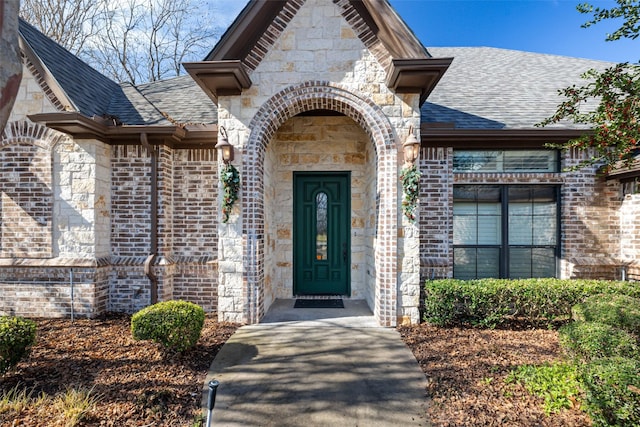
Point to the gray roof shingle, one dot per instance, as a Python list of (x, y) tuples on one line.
[(484, 88), (92, 93), (181, 99), (88, 90), (491, 88)]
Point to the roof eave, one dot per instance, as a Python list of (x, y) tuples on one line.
[(82, 127), (219, 78), (241, 34), (623, 171), (443, 136), (417, 75)]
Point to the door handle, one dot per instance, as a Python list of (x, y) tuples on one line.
[(344, 252)]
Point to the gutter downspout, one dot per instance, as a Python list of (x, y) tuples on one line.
[(148, 263)]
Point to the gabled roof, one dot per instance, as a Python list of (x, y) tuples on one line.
[(500, 89), (73, 85), (227, 68), (88, 101), (255, 27)]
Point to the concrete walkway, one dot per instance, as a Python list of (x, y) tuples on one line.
[(317, 367)]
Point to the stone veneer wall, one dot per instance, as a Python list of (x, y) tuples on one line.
[(308, 144), (31, 99), (66, 182), (312, 58)]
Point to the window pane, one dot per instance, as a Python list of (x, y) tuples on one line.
[(543, 262), (519, 263), (544, 230), (475, 263), (532, 215), (489, 228), (321, 226), (531, 262), (530, 161), (465, 229), (488, 262), (475, 161), (480, 161), (465, 208), (464, 193), (520, 229), (464, 263), (486, 193)]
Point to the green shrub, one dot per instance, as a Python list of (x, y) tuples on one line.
[(490, 302), (451, 302), (612, 391), (174, 324), (557, 384), (17, 335), (621, 311), (593, 340)]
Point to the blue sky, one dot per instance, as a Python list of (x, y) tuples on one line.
[(545, 26)]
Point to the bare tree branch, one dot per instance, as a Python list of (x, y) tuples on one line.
[(133, 41)]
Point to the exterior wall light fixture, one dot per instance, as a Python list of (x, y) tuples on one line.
[(411, 148), (224, 147)]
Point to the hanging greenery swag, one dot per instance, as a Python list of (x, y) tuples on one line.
[(231, 187), (410, 178)]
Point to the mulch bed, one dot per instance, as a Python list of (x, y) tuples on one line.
[(140, 385), (466, 368)]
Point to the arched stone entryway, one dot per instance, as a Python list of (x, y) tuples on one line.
[(319, 95)]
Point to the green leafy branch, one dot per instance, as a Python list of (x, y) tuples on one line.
[(615, 120), (231, 187), (626, 9), (410, 178)]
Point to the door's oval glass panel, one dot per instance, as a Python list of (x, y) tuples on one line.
[(321, 226)]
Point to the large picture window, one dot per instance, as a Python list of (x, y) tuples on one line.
[(505, 231)]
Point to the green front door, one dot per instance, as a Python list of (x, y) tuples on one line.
[(321, 233)]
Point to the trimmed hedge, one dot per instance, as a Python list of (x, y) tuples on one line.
[(174, 324), (612, 387), (490, 302), (621, 311), (593, 340), (17, 335)]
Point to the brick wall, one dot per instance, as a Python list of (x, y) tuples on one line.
[(591, 220), (46, 291), (187, 226), (26, 201), (130, 201), (436, 210), (195, 225), (590, 223)]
